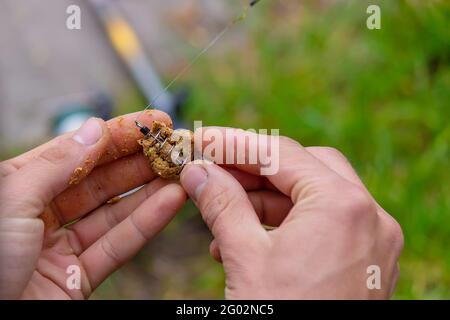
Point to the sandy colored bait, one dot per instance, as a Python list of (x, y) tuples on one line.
[(168, 150)]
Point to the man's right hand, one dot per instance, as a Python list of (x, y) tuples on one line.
[(329, 230)]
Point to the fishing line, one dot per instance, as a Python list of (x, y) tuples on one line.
[(211, 44)]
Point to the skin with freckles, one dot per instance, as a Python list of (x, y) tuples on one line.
[(70, 179), (328, 229)]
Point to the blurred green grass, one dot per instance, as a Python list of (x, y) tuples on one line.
[(382, 97)]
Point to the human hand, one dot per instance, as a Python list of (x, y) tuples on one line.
[(329, 229), (70, 178)]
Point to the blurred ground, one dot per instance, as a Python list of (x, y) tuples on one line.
[(311, 69)]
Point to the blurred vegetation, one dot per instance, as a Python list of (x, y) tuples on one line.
[(313, 69)]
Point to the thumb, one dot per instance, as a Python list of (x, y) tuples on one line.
[(224, 205), (30, 189)]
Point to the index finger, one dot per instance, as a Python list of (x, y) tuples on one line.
[(291, 168), (122, 139)]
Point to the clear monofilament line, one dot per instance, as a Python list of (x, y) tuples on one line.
[(241, 17), (185, 69)]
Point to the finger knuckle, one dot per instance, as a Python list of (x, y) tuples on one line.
[(6, 168), (110, 217), (215, 205), (288, 141), (332, 152), (357, 204), (110, 251), (395, 233), (61, 153)]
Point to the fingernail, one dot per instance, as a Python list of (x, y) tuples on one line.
[(89, 133), (193, 180)]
